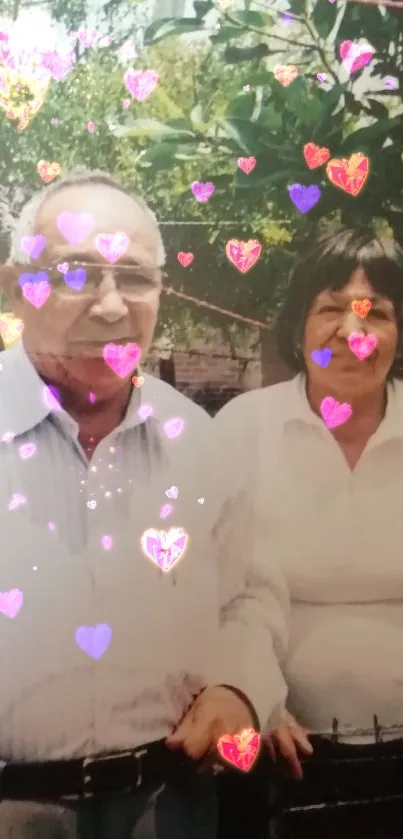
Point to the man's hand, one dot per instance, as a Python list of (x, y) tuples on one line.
[(286, 740), (215, 712)]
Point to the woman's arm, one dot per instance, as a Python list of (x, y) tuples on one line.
[(253, 594)]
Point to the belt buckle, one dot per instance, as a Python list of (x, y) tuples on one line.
[(90, 761)]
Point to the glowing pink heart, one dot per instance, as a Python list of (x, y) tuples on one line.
[(164, 548), (33, 245), (121, 358), (11, 602), (355, 56), (140, 83), (111, 245), (94, 640), (335, 413), (36, 293), (362, 345), (241, 750), (75, 227), (173, 427)]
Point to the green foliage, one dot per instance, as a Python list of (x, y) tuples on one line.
[(200, 118)]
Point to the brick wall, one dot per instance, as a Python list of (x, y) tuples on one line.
[(208, 373)]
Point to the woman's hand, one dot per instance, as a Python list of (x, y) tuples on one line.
[(286, 740)]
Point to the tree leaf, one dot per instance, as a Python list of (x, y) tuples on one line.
[(226, 33), (234, 55), (166, 27), (241, 106), (197, 116), (248, 18), (324, 18), (376, 132), (251, 137), (378, 109), (202, 7), (149, 128)]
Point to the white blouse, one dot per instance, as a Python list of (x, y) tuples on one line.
[(337, 536)]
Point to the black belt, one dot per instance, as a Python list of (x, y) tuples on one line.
[(119, 772)]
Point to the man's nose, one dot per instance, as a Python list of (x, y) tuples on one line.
[(109, 304)]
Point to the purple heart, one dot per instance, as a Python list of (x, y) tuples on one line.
[(304, 197), (33, 245), (94, 640), (38, 277), (76, 279), (75, 227), (322, 357), (202, 191)]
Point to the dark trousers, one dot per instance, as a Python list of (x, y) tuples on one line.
[(348, 792), (244, 802)]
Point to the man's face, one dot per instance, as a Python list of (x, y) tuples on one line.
[(69, 331), (331, 321)]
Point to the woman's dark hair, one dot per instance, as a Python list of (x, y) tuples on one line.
[(328, 263)]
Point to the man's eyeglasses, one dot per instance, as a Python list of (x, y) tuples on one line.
[(84, 278)]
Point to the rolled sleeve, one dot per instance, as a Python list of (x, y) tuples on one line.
[(254, 597)]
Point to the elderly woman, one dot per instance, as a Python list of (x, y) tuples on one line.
[(311, 476)]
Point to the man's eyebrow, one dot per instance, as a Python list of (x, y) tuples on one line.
[(93, 257)]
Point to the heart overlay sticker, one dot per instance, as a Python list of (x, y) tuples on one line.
[(349, 175), (243, 254), (94, 640), (362, 345), (315, 156), (121, 358), (304, 197), (334, 413), (322, 357), (164, 548), (240, 750), (361, 307), (11, 602)]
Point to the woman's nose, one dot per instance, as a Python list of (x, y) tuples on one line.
[(349, 323)]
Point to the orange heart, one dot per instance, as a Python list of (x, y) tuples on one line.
[(48, 171), (361, 307), (285, 73), (315, 156), (138, 381), (350, 174)]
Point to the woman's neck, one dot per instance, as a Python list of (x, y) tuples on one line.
[(368, 412)]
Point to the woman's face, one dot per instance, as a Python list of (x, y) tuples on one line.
[(330, 323)]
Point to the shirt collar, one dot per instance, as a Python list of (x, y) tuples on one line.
[(29, 401), (298, 409)]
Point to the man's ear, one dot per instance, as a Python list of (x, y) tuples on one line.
[(9, 285)]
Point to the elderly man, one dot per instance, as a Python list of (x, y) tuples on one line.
[(127, 647)]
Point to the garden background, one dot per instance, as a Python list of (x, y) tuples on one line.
[(221, 94)]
